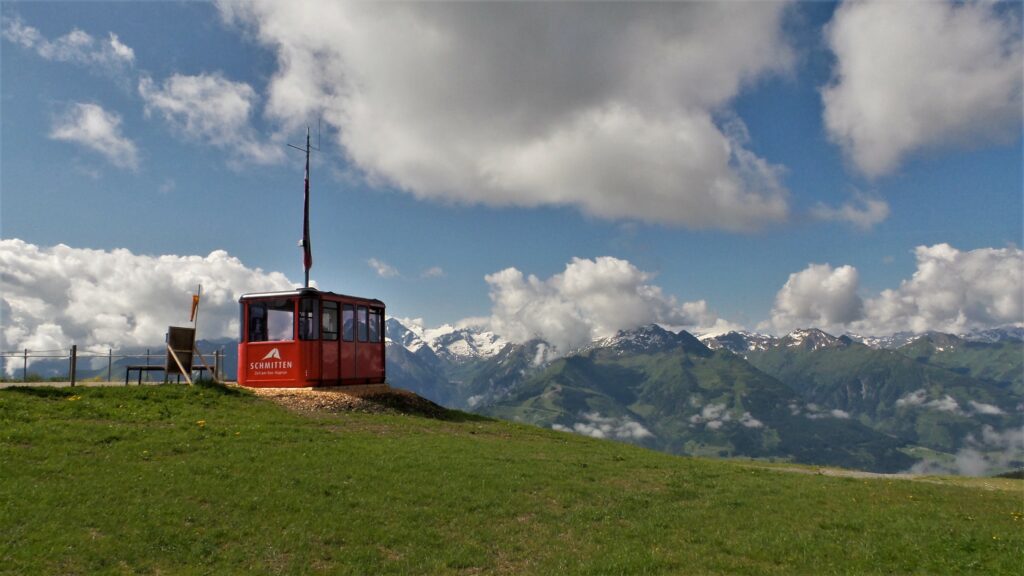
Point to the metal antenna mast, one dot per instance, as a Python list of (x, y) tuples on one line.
[(307, 248)]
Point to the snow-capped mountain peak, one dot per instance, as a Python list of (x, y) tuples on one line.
[(941, 339), (812, 339), (468, 343), (409, 336), (891, 342), (739, 342), (994, 335), (650, 338), (445, 341)]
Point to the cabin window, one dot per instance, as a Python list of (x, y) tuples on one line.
[(241, 323), (308, 329), (329, 321), (281, 320), (361, 315), (374, 325), (271, 320), (257, 322), (348, 318)]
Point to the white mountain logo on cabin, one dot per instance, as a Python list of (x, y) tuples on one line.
[(274, 354)]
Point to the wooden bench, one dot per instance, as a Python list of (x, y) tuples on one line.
[(140, 368)]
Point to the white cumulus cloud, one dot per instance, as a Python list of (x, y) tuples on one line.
[(53, 297), (383, 269), (78, 47), (212, 109), (862, 211), (819, 296), (433, 272), (953, 291), (613, 108), (919, 75), (590, 299), (93, 127)]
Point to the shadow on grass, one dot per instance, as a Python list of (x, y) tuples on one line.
[(221, 389), (418, 406), (40, 391)]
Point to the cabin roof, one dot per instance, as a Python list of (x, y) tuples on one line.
[(304, 292)]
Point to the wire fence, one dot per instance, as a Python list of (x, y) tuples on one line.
[(143, 363)]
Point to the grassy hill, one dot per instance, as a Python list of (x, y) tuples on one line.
[(169, 479)]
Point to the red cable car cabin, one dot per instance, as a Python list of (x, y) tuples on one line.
[(307, 338)]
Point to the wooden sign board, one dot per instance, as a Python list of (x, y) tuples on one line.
[(182, 341)]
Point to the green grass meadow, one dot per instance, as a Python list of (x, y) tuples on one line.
[(209, 480)]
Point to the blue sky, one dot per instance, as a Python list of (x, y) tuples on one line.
[(191, 191)]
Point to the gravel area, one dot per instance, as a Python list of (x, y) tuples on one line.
[(367, 400)]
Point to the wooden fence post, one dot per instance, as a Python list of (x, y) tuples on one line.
[(74, 361)]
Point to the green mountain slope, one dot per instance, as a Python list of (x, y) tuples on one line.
[(483, 381), (419, 373), (999, 362), (884, 389), (678, 396), (204, 480)]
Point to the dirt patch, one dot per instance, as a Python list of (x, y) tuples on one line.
[(380, 400), (964, 481), (839, 473)]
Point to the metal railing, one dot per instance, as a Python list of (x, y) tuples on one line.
[(73, 355)]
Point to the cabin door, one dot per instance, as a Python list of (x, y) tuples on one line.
[(347, 343), (330, 348), (370, 332)]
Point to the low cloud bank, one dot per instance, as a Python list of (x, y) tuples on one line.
[(982, 455), (946, 403), (714, 416), (597, 426), (54, 297)]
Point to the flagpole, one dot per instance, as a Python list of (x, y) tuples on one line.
[(307, 249)]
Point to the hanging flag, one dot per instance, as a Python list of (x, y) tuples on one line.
[(307, 246), (195, 306), (307, 249)]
